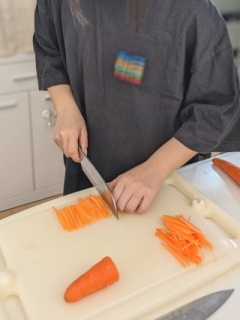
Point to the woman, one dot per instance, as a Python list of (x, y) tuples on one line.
[(142, 92)]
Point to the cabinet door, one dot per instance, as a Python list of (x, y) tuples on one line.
[(48, 158), (16, 174)]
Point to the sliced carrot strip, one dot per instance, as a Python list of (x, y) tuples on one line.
[(175, 254), (183, 239), (86, 212)]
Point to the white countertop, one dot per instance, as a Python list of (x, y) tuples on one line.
[(222, 190)]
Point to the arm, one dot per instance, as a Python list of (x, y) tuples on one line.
[(135, 189), (70, 128)]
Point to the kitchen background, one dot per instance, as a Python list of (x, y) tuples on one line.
[(31, 165)]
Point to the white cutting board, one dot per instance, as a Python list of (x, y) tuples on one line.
[(38, 259)]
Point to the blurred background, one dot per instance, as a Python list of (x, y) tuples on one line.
[(31, 166)]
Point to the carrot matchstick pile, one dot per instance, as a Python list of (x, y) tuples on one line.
[(183, 240), (87, 211)]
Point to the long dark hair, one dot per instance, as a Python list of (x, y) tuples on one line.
[(134, 11)]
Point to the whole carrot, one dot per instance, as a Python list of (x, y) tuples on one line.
[(100, 276), (232, 170)]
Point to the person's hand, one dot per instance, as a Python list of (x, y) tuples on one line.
[(135, 189), (70, 131)]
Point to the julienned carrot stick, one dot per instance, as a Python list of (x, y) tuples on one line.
[(100, 276), (183, 239), (87, 211), (232, 170), (175, 254)]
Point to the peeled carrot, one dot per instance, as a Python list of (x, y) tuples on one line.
[(232, 170), (87, 211), (100, 276), (183, 240)]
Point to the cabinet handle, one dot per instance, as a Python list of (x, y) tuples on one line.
[(47, 98), (46, 114), (9, 104), (24, 76)]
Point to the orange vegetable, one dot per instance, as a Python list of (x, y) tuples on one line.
[(87, 211), (183, 240), (100, 276), (232, 170)]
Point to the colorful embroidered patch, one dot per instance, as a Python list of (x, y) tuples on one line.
[(129, 68)]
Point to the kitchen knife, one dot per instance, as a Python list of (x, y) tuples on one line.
[(199, 309), (98, 182)]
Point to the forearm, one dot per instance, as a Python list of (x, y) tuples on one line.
[(171, 156), (62, 98)]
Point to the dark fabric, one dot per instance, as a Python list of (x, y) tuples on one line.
[(189, 89)]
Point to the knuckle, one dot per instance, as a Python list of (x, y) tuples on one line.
[(56, 138), (71, 151), (149, 192), (62, 133), (120, 206), (130, 208)]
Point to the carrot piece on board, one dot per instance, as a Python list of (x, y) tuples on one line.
[(188, 224), (232, 170), (175, 254), (183, 239), (87, 211), (100, 276)]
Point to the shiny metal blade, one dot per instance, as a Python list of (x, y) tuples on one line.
[(98, 182), (200, 309)]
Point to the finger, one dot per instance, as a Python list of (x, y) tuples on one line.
[(83, 140), (118, 189), (73, 148), (57, 141), (113, 183), (144, 205), (133, 203), (124, 198), (65, 146)]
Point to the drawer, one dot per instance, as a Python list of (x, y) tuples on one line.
[(18, 77), (17, 58)]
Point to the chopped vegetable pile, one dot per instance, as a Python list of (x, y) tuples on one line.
[(87, 211), (183, 240)]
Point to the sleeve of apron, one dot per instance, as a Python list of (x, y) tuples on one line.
[(212, 102), (49, 63)]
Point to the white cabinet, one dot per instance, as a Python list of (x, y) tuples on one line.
[(16, 175), (226, 6), (48, 159), (31, 164), (230, 9), (17, 77)]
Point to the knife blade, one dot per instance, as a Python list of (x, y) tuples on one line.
[(98, 182), (199, 309)]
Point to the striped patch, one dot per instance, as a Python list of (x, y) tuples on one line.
[(129, 68)]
